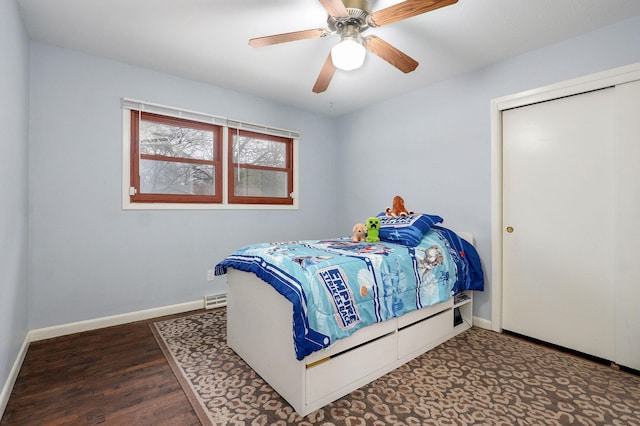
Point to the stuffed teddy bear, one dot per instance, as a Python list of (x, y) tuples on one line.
[(359, 232), (398, 208), (373, 226)]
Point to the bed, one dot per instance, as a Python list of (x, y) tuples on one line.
[(319, 319)]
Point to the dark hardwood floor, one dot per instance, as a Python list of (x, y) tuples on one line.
[(116, 375)]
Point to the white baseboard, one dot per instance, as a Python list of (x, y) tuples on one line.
[(94, 324), (13, 375), (481, 323)]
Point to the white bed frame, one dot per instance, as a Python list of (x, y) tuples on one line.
[(260, 331)]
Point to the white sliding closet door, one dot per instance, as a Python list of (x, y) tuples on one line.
[(627, 225), (558, 212)]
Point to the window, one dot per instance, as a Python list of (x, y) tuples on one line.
[(175, 160), (261, 169), (184, 159)]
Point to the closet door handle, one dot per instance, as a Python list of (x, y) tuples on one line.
[(509, 229)]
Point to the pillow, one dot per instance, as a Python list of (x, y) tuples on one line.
[(407, 230)]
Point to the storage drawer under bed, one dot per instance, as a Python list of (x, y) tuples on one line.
[(354, 365), (425, 334)]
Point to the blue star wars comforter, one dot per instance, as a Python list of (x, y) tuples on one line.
[(337, 286)]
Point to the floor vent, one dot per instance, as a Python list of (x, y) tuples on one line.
[(215, 300)]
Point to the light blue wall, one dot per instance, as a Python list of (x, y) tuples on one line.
[(433, 146), (89, 258), (14, 181)]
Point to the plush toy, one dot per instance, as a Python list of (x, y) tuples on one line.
[(359, 232), (398, 208), (373, 226)]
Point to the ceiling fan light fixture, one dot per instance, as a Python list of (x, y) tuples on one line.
[(348, 54)]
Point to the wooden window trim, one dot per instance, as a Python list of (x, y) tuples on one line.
[(136, 156), (235, 199)]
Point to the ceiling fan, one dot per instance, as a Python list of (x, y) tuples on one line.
[(349, 19)]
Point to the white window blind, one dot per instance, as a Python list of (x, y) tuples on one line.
[(136, 105)]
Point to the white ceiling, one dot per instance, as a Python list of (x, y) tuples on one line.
[(206, 40)]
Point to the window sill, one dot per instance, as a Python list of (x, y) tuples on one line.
[(127, 205)]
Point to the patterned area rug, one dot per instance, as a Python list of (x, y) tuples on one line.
[(478, 377)]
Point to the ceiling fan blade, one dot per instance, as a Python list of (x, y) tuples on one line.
[(404, 10), (326, 74), (395, 57), (287, 37), (335, 8)]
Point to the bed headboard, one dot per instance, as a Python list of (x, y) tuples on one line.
[(466, 235)]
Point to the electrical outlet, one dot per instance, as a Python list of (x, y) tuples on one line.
[(210, 274)]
